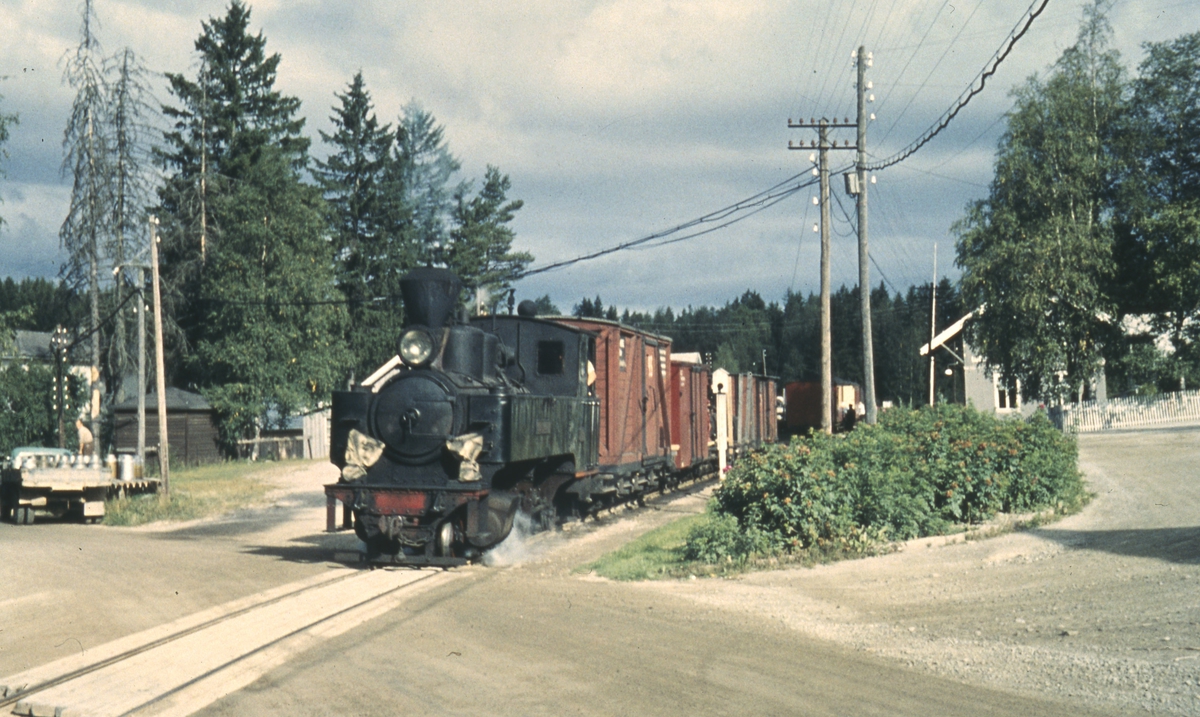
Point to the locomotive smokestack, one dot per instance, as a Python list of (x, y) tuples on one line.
[(430, 296)]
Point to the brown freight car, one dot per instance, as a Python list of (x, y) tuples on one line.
[(631, 378), (691, 419), (803, 405)]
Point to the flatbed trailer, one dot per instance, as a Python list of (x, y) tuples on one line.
[(43, 483), (79, 492)]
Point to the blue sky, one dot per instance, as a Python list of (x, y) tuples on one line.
[(614, 118)]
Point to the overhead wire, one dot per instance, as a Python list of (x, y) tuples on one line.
[(912, 57), (799, 244), (757, 203), (989, 69), (936, 65)]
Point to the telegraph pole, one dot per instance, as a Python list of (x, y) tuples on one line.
[(826, 316), (141, 378), (823, 146), (933, 328), (159, 378), (856, 185), (864, 269), (141, 362), (58, 341)]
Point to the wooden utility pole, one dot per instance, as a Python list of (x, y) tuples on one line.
[(141, 378), (204, 165), (864, 269), (58, 341), (826, 317), (160, 380), (933, 329), (823, 145)]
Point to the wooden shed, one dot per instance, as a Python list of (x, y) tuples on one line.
[(191, 427)]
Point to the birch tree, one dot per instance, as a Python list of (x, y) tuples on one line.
[(1037, 251)]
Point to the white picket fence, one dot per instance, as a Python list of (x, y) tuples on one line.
[(1181, 407)]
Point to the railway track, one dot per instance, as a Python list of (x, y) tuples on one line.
[(181, 667)]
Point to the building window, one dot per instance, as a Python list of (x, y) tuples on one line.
[(550, 358), (1008, 398), (621, 353), (662, 362)]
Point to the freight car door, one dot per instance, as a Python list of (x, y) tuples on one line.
[(648, 365)]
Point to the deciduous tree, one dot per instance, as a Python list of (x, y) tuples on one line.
[(1037, 251), (1158, 210)]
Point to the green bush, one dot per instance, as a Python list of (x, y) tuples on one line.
[(918, 472), (720, 538)]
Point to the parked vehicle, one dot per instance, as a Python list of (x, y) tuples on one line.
[(52, 482)]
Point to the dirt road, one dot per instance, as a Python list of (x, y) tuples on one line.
[(1101, 608), (67, 587), (1096, 614)]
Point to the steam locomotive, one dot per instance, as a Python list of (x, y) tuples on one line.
[(478, 419)]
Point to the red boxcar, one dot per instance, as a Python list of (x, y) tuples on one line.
[(691, 421), (632, 371), (754, 420), (803, 404)]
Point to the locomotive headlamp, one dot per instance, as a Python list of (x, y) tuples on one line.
[(416, 347)]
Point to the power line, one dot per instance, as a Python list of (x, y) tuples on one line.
[(758, 202), (989, 69), (932, 71)]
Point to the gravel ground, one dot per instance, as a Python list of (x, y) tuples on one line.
[(1100, 608)]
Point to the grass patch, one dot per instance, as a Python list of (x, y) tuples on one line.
[(656, 554), (662, 554), (197, 492)]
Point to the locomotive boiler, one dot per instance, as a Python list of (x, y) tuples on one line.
[(473, 421)]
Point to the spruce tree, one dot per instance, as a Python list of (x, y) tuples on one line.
[(369, 226), (6, 121), (130, 119), (263, 315), (419, 177), (479, 249), (87, 155)]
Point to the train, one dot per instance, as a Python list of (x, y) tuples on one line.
[(480, 419)]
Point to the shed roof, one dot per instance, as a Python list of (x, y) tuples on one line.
[(31, 345), (177, 400)]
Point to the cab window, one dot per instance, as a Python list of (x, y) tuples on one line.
[(550, 361)]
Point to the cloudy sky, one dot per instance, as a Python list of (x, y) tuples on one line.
[(615, 119)]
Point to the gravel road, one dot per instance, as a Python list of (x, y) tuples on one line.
[(1094, 614), (1101, 608), (66, 587)]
